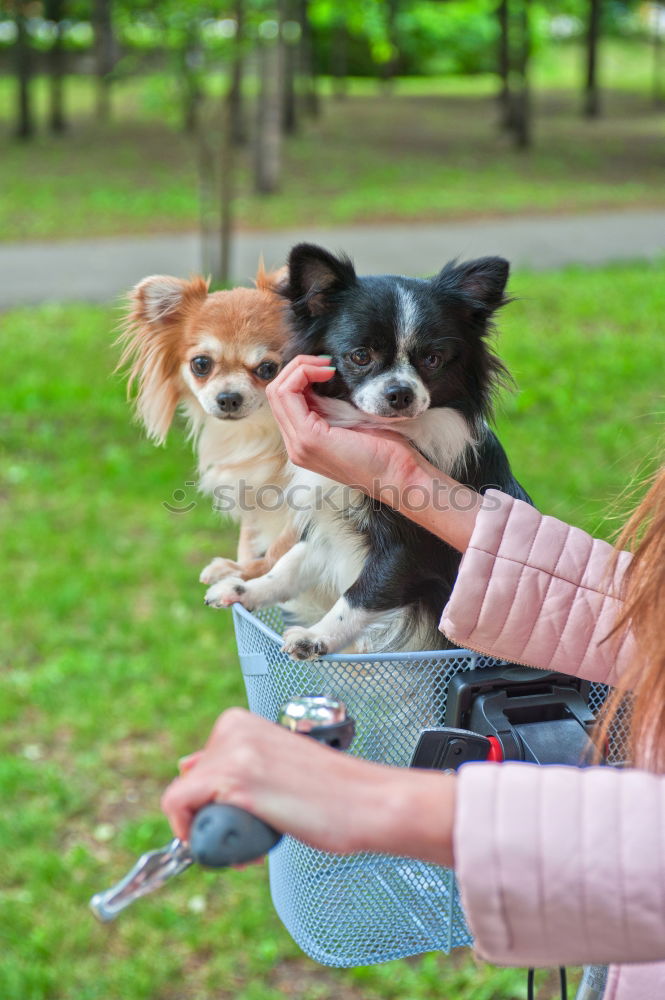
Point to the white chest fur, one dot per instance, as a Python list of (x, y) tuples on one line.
[(242, 465), (333, 516)]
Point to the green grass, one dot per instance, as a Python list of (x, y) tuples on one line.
[(113, 668), (430, 150)]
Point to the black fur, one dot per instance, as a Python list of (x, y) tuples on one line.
[(336, 312)]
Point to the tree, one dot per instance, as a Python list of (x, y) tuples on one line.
[(237, 124), (513, 63), (307, 62), (503, 59), (390, 64), (23, 63), (53, 11), (217, 188), (290, 36), (658, 31), (105, 55), (268, 133), (521, 98), (189, 57), (339, 58), (591, 91)]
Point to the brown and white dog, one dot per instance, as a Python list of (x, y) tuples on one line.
[(212, 355)]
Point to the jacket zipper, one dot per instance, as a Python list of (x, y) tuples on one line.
[(493, 656)]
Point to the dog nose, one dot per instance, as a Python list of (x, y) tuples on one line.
[(229, 402), (399, 396)]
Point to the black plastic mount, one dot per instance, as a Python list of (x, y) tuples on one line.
[(446, 748), (539, 716)]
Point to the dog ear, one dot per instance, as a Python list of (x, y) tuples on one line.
[(315, 275), (272, 281), (483, 282), (163, 299), (150, 336)]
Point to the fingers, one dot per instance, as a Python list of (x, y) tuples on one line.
[(205, 775), (316, 360), (286, 395), (300, 372), (182, 800), (185, 764)]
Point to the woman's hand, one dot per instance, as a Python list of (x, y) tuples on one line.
[(364, 459), (381, 464), (328, 799)]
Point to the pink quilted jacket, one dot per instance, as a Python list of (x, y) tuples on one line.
[(557, 866)]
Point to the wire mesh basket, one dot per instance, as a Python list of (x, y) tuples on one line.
[(367, 908)]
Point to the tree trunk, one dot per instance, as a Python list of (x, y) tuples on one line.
[(216, 165), (503, 60), (339, 60), (53, 11), (591, 92), (105, 55), (210, 263), (290, 68), (190, 101), (226, 191), (188, 72), (267, 160), (658, 28), (390, 67), (237, 124), (520, 114), (307, 67), (24, 119)]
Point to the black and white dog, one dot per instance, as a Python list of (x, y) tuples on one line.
[(412, 356)]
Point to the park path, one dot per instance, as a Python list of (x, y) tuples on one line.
[(98, 270)]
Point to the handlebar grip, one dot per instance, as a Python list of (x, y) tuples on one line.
[(223, 835)]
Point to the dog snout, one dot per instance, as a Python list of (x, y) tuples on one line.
[(229, 402), (399, 397)]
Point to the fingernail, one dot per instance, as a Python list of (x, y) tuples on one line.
[(325, 357)]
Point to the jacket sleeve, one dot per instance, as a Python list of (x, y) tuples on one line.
[(536, 591), (560, 865)]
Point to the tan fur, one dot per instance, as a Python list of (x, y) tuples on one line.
[(169, 321), (248, 568), (258, 567)]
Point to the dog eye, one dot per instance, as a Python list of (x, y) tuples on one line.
[(266, 370), (201, 366), (432, 361), (361, 357)]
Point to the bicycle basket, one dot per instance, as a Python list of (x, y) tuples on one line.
[(368, 908)]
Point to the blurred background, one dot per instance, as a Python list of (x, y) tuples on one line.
[(180, 137)]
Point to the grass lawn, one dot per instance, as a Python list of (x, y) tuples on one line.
[(430, 150), (113, 668)]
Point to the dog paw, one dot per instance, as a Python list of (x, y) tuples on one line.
[(303, 644), (218, 569), (231, 590)]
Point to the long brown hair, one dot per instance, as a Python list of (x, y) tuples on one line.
[(644, 615)]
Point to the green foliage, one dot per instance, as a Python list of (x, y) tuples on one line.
[(429, 150), (454, 37), (457, 36), (113, 668)]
